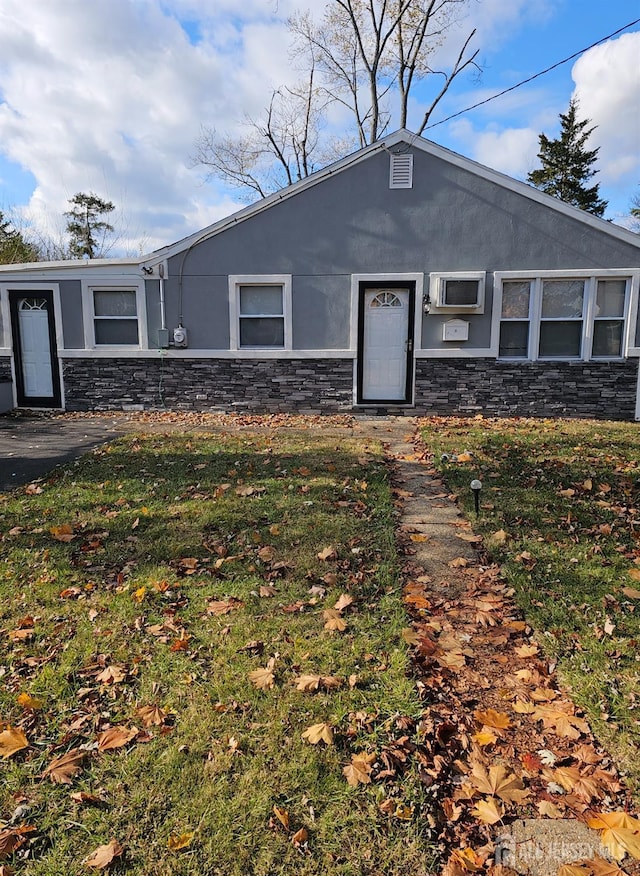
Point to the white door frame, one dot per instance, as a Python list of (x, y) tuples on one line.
[(11, 290), (415, 283)]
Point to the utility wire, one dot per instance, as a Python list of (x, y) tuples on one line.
[(535, 76)]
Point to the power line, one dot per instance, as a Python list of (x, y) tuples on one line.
[(535, 76)]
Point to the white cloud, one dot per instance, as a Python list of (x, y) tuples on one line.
[(510, 150), (607, 81), (109, 97)]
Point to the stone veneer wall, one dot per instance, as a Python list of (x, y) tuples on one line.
[(259, 385), (6, 387), (5, 370), (605, 390)]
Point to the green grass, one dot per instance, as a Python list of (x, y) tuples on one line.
[(158, 536), (566, 493)]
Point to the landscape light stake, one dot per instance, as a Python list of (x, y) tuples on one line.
[(476, 486)]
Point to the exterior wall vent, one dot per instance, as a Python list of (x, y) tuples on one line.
[(401, 171)]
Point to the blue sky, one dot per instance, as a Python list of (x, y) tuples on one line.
[(108, 96)]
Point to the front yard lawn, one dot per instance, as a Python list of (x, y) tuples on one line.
[(559, 510), (202, 664)]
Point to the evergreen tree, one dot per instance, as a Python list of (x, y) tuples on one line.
[(567, 165), (86, 229), (14, 248)]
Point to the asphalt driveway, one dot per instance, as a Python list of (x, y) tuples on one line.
[(32, 445)]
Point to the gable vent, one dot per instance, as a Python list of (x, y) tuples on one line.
[(401, 171)]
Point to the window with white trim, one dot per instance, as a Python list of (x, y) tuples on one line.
[(576, 317), (260, 312), (115, 317)]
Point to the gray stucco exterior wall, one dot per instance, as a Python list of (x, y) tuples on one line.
[(354, 223)]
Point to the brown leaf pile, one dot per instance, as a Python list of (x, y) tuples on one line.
[(501, 740)]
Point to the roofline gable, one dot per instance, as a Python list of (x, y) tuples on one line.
[(405, 138)]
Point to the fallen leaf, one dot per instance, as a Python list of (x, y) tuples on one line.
[(104, 855), (83, 798), (343, 602), (491, 718), (219, 607), (319, 733), (264, 677), (116, 737), (560, 722), (12, 739), (488, 811), (498, 783), (403, 812), (62, 769), (525, 651), (333, 620), (151, 715), (282, 815), (64, 532), (176, 842), (300, 837), (328, 553), (358, 772), (28, 702), (600, 867), (484, 738), (549, 810), (631, 592), (575, 869), (620, 833), (308, 683), (459, 563), (463, 861)]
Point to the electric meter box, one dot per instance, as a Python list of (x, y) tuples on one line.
[(180, 338)]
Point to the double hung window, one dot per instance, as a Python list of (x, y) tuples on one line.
[(115, 317), (260, 312)]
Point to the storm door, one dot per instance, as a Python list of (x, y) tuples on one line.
[(34, 349), (385, 343)]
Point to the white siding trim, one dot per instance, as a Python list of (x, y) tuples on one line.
[(173, 353), (455, 353)]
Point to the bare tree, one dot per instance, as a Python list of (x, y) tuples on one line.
[(362, 56), (276, 150)]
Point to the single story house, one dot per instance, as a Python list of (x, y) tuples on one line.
[(402, 278)]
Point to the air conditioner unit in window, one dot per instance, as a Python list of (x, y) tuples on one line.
[(458, 292)]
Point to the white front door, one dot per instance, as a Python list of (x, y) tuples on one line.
[(35, 348), (386, 344), (35, 355)]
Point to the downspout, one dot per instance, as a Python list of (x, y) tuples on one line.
[(163, 316)]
